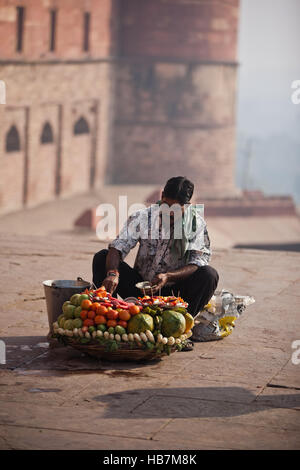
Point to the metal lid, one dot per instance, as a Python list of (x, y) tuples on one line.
[(67, 283)]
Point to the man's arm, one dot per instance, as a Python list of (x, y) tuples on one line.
[(112, 266), (198, 255), (113, 259), (117, 250), (173, 276)]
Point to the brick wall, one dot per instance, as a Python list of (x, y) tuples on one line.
[(165, 102), (58, 88), (69, 29), (175, 119), (175, 93), (180, 29), (155, 153), (57, 94), (12, 163)]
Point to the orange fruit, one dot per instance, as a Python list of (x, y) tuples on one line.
[(86, 304), (111, 323), (83, 314), (91, 314), (124, 315), (101, 294), (101, 310), (99, 319), (94, 306), (134, 309)]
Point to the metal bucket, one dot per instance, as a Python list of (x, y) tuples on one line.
[(57, 292)]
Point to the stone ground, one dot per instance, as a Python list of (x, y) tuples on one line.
[(242, 392)]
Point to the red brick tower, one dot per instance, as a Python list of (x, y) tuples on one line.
[(175, 93)]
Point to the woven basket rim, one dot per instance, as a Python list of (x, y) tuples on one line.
[(100, 350), (94, 344)]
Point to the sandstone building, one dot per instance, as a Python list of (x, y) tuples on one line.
[(115, 91)]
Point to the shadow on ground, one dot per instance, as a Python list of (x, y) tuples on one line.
[(195, 402), (30, 356), (32, 353), (270, 246)]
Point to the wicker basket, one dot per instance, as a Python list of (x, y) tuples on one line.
[(124, 352)]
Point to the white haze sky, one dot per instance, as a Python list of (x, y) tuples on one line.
[(269, 57)]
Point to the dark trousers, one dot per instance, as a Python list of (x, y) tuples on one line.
[(196, 289)]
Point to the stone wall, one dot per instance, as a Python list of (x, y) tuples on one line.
[(56, 94), (58, 88), (179, 29), (69, 29), (157, 84), (175, 93)]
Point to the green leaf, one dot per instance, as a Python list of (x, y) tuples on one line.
[(113, 346), (84, 340)]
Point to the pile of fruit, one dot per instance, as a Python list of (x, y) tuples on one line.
[(154, 323)]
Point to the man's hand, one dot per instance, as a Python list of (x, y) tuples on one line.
[(159, 281), (111, 283)]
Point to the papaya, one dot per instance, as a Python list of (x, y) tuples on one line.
[(173, 324), (140, 323), (180, 310)]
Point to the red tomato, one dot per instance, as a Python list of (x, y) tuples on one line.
[(88, 322), (112, 314), (122, 323), (111, 323)]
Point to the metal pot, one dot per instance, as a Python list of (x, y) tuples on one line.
[(57, 292)]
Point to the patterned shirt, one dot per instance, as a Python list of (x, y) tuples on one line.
[(154, 255)]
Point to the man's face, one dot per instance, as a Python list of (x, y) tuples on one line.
[(170, 202)]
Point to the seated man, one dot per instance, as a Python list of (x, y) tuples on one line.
[(173, 264)]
